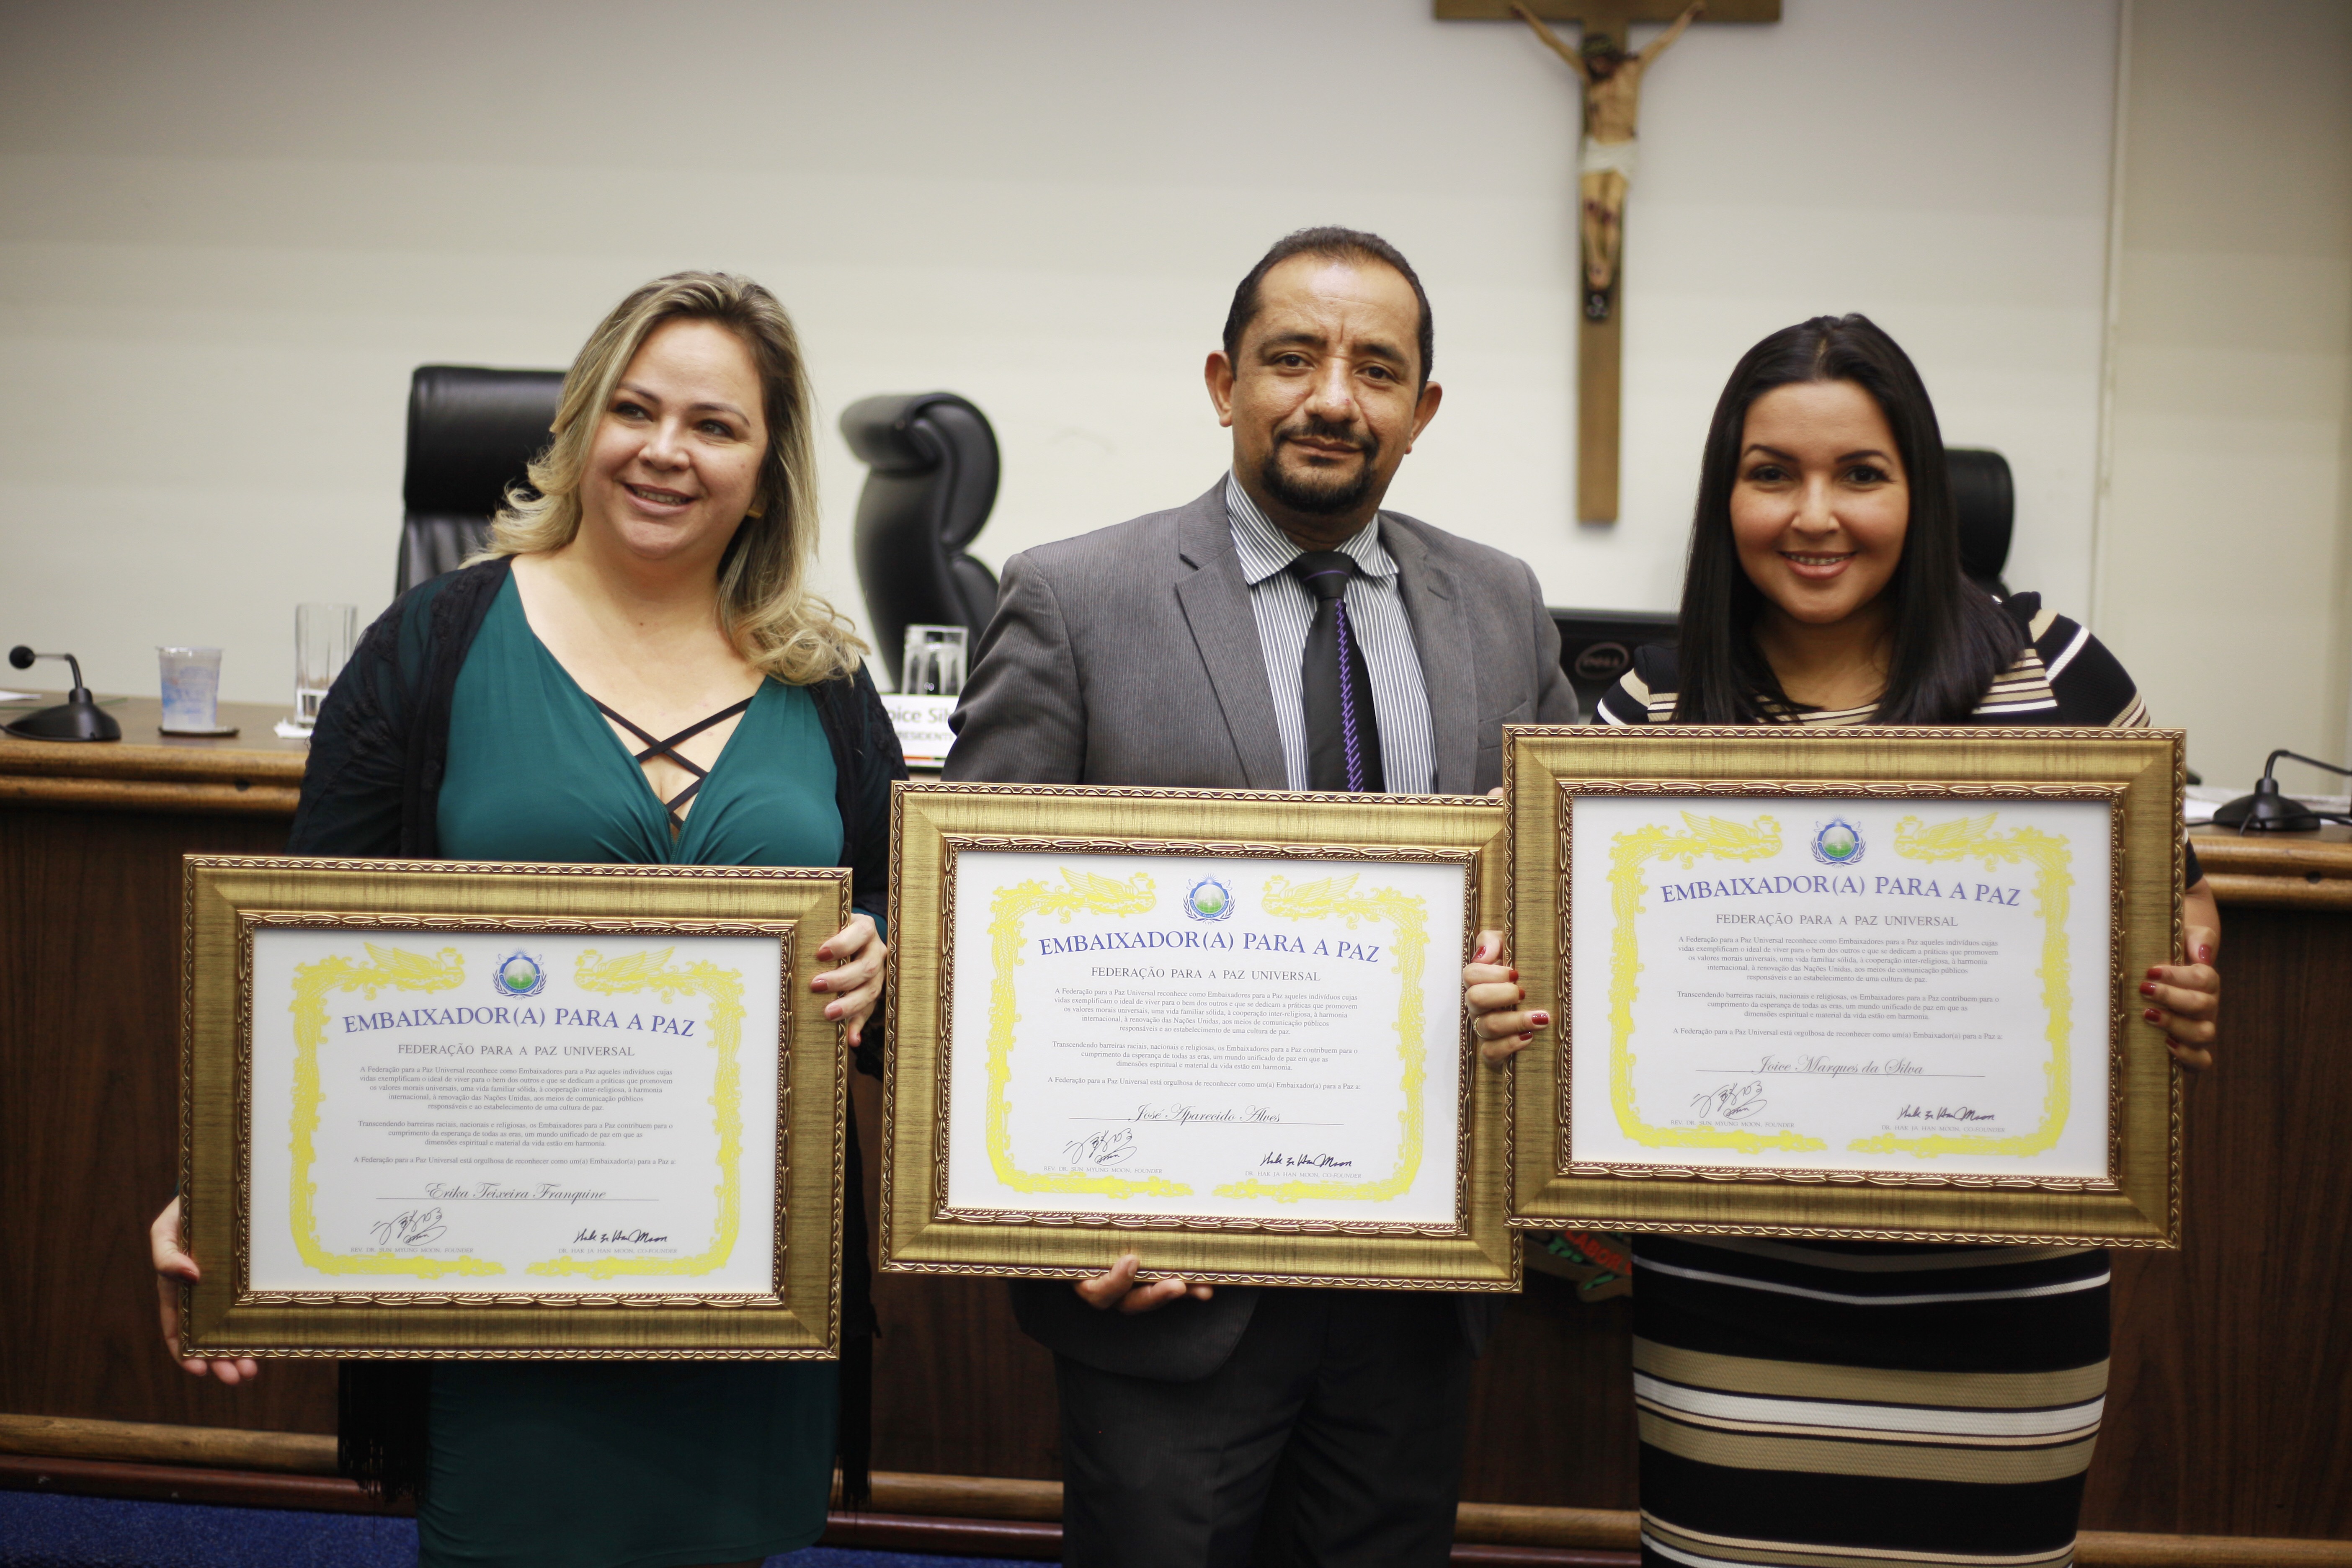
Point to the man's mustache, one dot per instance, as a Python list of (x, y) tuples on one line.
[(1323, 430)]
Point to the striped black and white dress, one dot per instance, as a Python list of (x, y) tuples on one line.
[(1860, 1403)]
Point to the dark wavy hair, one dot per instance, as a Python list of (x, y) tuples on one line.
[(1330, 244), (1951, 640)]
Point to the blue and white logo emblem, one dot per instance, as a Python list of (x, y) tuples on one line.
[(520, 974), (1209, 899), (1839, 843)]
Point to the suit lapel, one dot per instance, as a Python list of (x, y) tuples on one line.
[(1442, 638), (1216, 604)]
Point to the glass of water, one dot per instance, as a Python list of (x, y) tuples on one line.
[(933, 665), (323, 635)]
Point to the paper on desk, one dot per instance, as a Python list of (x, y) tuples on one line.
[(922, 725)]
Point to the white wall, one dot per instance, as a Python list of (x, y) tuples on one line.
[(228, 232), (2225, 526)]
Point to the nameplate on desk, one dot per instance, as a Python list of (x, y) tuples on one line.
[(921, 722), (508, 1109), (1221, 1029), (1846, 983)]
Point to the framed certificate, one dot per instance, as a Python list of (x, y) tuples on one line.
[(1864, 983), (434, 1109), (1221, 1029)]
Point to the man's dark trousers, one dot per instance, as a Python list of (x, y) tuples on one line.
[(1333, 1436)]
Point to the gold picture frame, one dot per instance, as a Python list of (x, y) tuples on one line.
[(230, 901), (1331, 836), (2138, 773)]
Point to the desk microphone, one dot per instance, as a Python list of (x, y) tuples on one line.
[(2267, 811), (77, 718)]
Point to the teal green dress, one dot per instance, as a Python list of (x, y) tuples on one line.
[(623, 1463)]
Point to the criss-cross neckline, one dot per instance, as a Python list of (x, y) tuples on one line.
[(668, 748)]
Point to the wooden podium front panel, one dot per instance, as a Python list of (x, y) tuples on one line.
[(90, 840)]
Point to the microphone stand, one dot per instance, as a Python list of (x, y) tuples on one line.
[(77, 718), (2268, 811)]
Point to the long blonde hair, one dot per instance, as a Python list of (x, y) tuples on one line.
[(765, 603)]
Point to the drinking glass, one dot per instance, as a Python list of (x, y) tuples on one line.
[(191, 689), (934, 662), (323, 635)]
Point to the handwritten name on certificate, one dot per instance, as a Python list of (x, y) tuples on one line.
[(1827, 983), (1206, 1035), (503, 1113)]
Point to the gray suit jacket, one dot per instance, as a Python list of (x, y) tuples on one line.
[(1130, 656)]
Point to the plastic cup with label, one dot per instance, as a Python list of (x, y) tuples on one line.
[(191, 691)]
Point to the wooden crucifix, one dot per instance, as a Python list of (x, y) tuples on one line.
[(1612, 79)]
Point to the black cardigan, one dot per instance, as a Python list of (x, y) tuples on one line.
[(373, 788)]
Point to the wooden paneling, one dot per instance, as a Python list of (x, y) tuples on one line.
[(958, 1388), (2229, 1405), (90, 1029), (1552, 1409)]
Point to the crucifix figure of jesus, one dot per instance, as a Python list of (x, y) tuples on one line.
[(1611, 74), (1612, 107)]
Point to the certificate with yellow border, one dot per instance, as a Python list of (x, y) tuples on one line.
[(1223, 1030), (1847, 982), (510, 1109)]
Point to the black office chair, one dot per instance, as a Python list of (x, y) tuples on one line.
[(470, 433), (1596, 647), (933, 457), (1986, 499)]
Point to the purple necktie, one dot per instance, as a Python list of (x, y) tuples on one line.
[(1343, 738)]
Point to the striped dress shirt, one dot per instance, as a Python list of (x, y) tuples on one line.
[(1285, 612)]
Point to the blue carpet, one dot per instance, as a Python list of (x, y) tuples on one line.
[(39, 1530)]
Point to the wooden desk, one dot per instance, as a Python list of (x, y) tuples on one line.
[(250, 773), (2233, 1366)]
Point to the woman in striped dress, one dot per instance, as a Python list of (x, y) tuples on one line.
[(1853, 1403)]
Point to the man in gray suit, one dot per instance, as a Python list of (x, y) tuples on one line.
[(1281, 632)]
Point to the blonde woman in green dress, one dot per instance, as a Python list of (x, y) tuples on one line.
[(634, 672)]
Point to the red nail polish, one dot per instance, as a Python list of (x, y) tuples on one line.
[(2147, 988), (2153, 1017), (1514, 974), (1523, 993), (1541, 1018), (1529, 1036)]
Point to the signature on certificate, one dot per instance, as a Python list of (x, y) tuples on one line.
[(1188, 1114), (1732, 1102), (1100, 1149), (410, 1227), (1942, 1113)]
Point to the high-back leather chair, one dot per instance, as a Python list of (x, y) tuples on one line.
[(470, 433), (1986, 499), (933, 484)]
